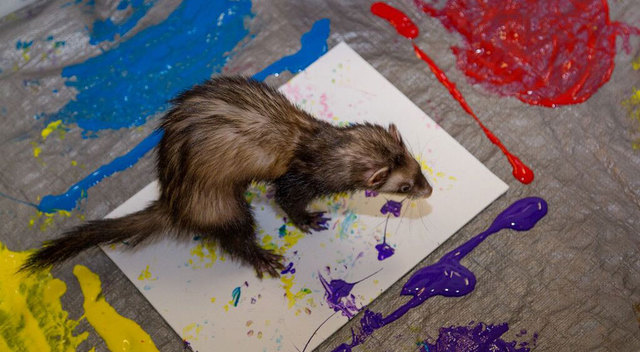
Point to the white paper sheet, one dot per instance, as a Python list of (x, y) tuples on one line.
[(192, 288)]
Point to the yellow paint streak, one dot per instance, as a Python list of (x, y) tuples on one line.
[(435, 176), (118, 332), (52, 126), (633, 109), (31, 315), (636, 63), (189, 331), (205, 252), (287, 284), (36, 149), (282, 244), (145, 274), (45, 220)]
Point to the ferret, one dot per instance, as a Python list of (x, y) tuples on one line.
[(222, 135)]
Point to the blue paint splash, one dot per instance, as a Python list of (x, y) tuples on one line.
[(235, 295), (282, 231), (107, 29), (313, 45), (69, 199), (133, 81)]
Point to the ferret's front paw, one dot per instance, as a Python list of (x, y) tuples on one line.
[(269, 262), (312, 221)]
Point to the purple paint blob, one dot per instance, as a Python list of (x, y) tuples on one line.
[(384, 251), (338, 295), (448, 277), (289, 269), (480, 337), (369, 193), (392, 207)]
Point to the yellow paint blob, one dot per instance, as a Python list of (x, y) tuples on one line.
[(118, 332), (287, 284), (53, 126), (31, 315), (205, 252), (146, 275)]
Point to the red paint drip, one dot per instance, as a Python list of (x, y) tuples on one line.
[(399, 20), (520, 171), (544, 52)]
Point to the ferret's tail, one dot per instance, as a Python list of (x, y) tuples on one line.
[(133, 228)]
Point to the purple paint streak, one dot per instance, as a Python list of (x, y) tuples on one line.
[(480, 337), (289, 269), (338, 295), (392, 207), (448, 277), (384, 250)]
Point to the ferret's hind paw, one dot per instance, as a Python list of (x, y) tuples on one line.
[(318, 222), (269, 262)]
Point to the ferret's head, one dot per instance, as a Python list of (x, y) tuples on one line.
[(392, 169)]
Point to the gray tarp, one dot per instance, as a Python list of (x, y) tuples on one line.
[(574, 279)]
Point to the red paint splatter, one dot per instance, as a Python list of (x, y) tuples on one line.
[(520, 171), (399, 20), (551, 52)]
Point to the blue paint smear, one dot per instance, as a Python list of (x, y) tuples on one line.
[(236, 296), (313, 45), (107, 29), (69, 199), (131, 82), (23, 44), (123, 4)]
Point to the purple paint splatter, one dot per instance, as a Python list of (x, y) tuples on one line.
[(448, 277), (369, 193), (479, 337), (338, 295), (289, 269), (392, 207), (384, 251)]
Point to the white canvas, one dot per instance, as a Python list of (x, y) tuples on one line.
[(192, 287)]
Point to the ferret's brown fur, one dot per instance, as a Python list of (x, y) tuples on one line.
[(222, 135)]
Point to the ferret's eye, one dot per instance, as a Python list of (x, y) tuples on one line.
[(405, 188)]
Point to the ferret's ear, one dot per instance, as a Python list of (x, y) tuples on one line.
[(378, 178), (393, 130)]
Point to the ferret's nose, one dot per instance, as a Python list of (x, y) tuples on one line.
[(427, 191)]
